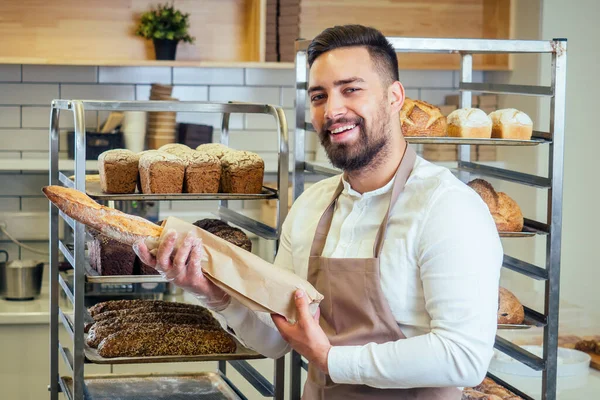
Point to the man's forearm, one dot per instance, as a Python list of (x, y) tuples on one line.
[(254, 331)]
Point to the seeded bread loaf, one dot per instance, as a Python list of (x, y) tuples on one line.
[(202, 173), (118, 171), (242, 172), (113, 305), (161, 172), (469, 123), (216, 149), (177, 340)]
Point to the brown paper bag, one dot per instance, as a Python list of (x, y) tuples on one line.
[(254, 282)]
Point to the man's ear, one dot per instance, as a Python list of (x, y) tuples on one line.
[(396, 96)]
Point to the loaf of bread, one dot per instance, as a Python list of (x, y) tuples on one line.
[(588, 346), (163, 310), (469, 123), (101, 331), (419, 118), (491, 388), (179, 340), (223, 230), (505, 211), (510, 123), (112, 305), (113, 223), (242, 172), (161, 172), (118, 170), (510, 309), (110, 257), (509, 217), (175, 148), (470, 394), (216, 149)]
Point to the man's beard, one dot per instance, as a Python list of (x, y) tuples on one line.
[(365, 151)]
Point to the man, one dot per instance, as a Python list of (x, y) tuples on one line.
[(407, 256)]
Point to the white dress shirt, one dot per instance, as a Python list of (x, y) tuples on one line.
[(440, 270)]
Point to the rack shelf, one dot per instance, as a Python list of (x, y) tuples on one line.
[(550, 229), (75, 386)]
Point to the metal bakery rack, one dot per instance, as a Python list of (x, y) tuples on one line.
[(553, 183), (214, 385)]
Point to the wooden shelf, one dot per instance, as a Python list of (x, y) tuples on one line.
[(145, 63)]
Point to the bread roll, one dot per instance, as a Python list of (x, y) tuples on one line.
[(469, 123), (510, 309), (470, 394), (113, 223), (510, 123), (419, 118)]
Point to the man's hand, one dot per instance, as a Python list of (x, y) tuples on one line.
[(183, 267), (305, 336)]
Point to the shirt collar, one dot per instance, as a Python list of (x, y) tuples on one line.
[(353, 193)]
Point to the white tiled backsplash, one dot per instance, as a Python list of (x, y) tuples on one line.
[(27, 90)]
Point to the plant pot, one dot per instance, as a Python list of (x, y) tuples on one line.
[(165, 49)]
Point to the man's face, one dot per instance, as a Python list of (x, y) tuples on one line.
[(349, 107)]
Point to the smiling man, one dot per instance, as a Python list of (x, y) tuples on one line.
[(407, 256)]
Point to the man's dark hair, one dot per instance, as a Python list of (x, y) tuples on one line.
[(381, 51)]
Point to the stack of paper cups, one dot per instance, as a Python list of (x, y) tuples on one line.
[(134, 130)]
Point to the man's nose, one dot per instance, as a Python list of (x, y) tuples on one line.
[(335, 107)]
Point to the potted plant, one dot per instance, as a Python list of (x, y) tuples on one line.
[(166, 26)]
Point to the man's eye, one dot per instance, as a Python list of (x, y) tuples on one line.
[(351, 90), (316, 97)]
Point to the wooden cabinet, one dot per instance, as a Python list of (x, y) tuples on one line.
[(94, 32), (88, 32), (488, 19)]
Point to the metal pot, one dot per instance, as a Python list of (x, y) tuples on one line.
[(20, 279)]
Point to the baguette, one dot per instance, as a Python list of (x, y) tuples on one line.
[(158, 310), (112, 305), (101, 331), (113, 223), (179, 340)]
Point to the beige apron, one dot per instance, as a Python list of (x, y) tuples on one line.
[(355, 311)]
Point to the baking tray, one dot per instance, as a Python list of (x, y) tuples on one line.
[(475, 141), (91, 354), (241, 353), (203, 385), (514, 326), (94, 191), (92, 276)]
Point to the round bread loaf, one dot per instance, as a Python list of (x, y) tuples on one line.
[(234, 236), (210, 224), (419, 118), (487, 193), (469, 123), (510, 309), (510, 123), (508, 216)]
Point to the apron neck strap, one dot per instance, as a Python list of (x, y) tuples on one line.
[(402, 174)]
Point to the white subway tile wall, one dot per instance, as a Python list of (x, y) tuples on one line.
[(27, 90), (56, 73)]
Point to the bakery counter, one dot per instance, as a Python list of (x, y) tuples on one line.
[(27, 312)]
